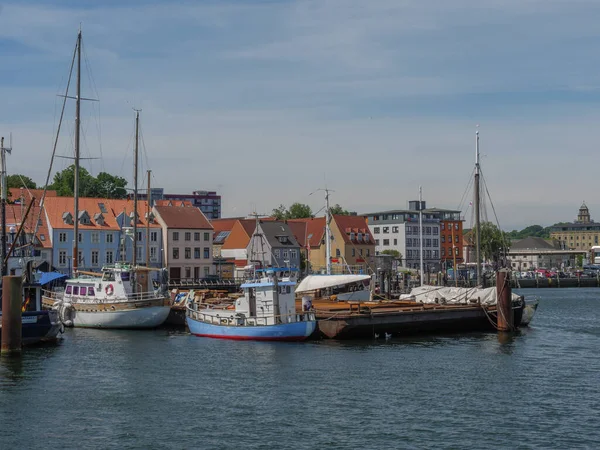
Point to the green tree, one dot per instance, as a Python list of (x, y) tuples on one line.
[(394, 253), (18, 181), (493, 242), (299, 211), (280, 213), (105, 186), (338, 210), (110, 186)]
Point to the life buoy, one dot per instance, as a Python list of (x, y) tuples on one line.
[(109, 289)]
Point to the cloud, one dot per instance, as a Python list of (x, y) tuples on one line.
[(271, 100)]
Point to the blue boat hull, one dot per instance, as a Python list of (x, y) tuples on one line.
[(38, 327), (296, 331)]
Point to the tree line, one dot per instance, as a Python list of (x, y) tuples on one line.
[(303, 211)]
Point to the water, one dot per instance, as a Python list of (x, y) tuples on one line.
[(166, 389)]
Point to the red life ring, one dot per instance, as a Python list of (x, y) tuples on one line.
[(109, 289)]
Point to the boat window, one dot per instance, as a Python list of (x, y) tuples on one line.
[(287, 289), (69, 289), (124, 276), (75, 290), (108, 276), (91, 290), (83, 290)]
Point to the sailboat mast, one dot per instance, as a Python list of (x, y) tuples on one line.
[(4, 198), (135, 186), (76, 174), (421, 234), (477, 213), (327, 234), (148, 200)]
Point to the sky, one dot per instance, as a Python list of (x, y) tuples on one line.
[(269, 101)]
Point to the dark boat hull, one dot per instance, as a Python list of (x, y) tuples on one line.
[(412, 321), (39, 327)]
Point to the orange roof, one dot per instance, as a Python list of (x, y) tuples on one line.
[(240, 234), (299, 231), (315, 228), (183, 217), (14, 194), (352, 224), (185, 203), (223, 224), (55, 207), (14, 214)]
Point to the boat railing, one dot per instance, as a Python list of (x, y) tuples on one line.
[(232, 318), (133, 297)]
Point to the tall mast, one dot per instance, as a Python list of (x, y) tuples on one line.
[(477, 218), (3, 152), (327, 234), (76, 177), (148, 199), (421, 234), (135, 185)]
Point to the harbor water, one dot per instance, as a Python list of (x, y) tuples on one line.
[(166, 389)]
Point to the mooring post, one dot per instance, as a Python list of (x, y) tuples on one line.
[(12, 299), (504, 303)]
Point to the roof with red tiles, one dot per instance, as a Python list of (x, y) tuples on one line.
[(185, 203), (353, 224), (240, 234), (183, 217), (14, 218), (315, 228), (14, 194), (56, 207)]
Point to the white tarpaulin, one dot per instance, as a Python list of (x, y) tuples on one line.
[(314, 282), (450, 295)]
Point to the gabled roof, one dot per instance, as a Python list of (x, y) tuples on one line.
[(223, 224), (533, 243), (353, 224), (185, 203), (55, 207), (274, 230), (315, 230), (299, 231), (183, 217), (240, 234), (14, 194), (13, 218)]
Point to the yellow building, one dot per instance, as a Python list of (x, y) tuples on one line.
[(579, 235)]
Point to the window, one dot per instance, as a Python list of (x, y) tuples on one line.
[(62, 237), (443, 252), (175, 235), (456, 226), (75, 290), (109, 238), (360, 252), (80, 237), (434, 230), (376, 241), (368, 252), (409, 253), (436, 243), (188, 253), (109, 257), (293, 254), (386, 242), (206, 271), (443, 239), (139, 253), (435, 254), (152, 252), (196, 252), (456, 251), (188, 236), (285, 254), (83, 290), (206, 237), (337, 252), (188, 272), (69, 289), (395, 241), (175, 253), (62, 257), (442, 225), (206, 253), (395, 229), (427, 242), (277, 253), (95, 237), (353, 252), (153, 236), (91, 292), (456, 239), (427, 230), (94, 257), (386, 229), (140, 238), (196, 236)]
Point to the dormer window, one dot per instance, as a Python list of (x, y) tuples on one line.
[(359, 237), (68, 218), (84, 218), (284, 240), (149, 217), (366, 238), (99, 218), (352, 236)]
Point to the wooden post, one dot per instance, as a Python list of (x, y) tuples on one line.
[(504, 301), (11, 315)]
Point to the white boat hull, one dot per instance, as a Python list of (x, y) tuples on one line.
[(148, 317)]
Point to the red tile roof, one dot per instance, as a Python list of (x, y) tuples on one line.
[(183, 217), (315, 228), (240, 234), (353, 224), (14, 213), (14, 194), (185, 203)]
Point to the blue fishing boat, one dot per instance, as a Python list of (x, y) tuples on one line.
[(266, 312)]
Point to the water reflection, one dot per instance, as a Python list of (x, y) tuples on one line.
[(11, 370)]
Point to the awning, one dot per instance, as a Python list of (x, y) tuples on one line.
[(48, 277)]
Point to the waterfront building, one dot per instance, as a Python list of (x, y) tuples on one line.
[(188, 238), (105, 233), (209, 202), (273, 244), (534, 252), (582, 234), (352, 244), (224, 268), (235, 246), (451, 236), (399, 230)]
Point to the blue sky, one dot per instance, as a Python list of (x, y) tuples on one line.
[(267, 101)]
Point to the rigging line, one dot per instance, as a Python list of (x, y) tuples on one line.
[(62, 112), (144, 151), (503, 235), (96, 94), (467, 189)]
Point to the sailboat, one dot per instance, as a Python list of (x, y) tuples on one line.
[(266, 312), (123, 295), (347, 287)]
